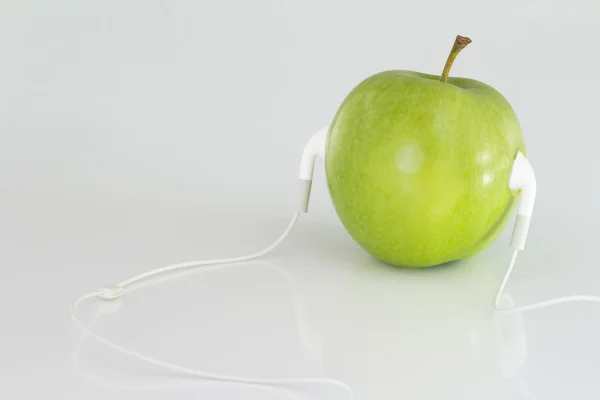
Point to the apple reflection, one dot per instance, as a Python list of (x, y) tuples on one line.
[(392, 333)]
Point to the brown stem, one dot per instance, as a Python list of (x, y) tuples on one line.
[(460, 43)]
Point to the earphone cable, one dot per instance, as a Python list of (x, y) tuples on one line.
[(200, 263), (541, 304), (113, 292)]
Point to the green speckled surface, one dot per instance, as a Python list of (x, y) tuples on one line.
[(418, 169)]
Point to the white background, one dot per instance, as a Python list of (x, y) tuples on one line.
[(139, 133)]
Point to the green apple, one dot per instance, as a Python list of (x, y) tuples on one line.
[(417, 165)]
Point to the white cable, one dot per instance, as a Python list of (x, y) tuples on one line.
[(542, 304), (183, 384), (211, 262), (113, 292)]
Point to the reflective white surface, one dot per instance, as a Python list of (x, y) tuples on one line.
[(318, 306), (140, 134)]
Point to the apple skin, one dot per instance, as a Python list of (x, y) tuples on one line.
[(418, 169)]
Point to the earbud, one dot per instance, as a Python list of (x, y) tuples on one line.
[(522, 178), (313, 149)]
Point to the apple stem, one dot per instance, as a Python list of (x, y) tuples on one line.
[(460, 43)]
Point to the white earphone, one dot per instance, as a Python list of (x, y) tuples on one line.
[(522, 179)]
